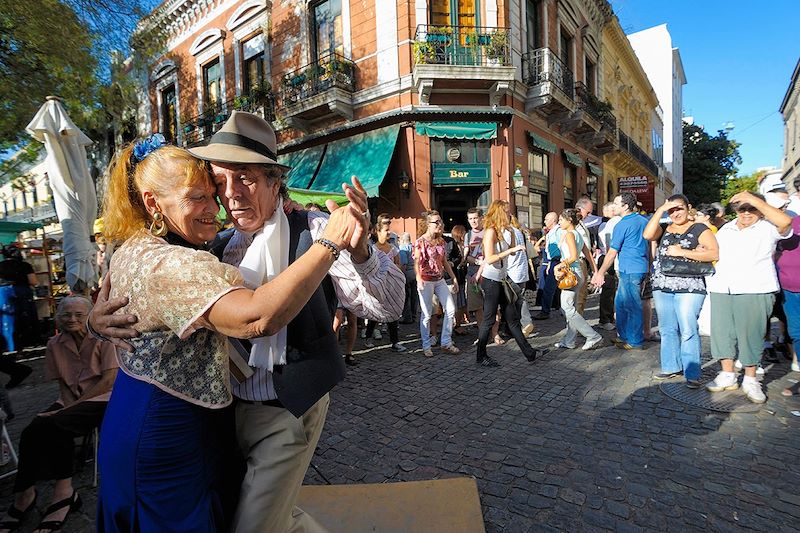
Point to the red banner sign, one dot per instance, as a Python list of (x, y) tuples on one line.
[(644, 187)]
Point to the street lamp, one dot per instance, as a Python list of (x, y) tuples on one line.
[(405, 183), (591, 185)]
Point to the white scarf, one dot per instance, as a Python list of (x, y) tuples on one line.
[(266, 257)]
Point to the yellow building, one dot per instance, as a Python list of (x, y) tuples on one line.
[(635, 106)]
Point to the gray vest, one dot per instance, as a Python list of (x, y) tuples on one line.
[(314, 364)]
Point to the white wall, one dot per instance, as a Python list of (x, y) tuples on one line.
[(660, 61)]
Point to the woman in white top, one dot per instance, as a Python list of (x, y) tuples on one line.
[(570, 243), (498, 244), (743, 290)]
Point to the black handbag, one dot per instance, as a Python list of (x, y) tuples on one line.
[(509, 290), (685, 268)]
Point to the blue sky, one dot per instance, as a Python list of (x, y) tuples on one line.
[(738, 56)]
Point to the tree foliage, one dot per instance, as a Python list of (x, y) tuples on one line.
[(72, 49), (708, 163), (44, 49), (739, 184)]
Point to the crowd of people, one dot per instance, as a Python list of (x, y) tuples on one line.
[(227, 342)]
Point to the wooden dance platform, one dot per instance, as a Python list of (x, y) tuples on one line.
[(416, 506)]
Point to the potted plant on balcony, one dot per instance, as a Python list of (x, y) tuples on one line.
[(497, 48)]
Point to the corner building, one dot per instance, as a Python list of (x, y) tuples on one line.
[(433, 104)]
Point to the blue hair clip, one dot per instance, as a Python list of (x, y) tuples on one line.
[(146, 146)]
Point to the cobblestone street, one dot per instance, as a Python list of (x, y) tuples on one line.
[(577, 441)]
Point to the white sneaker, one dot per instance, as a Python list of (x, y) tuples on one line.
[(593, 343), (795, 367), (723, 381), (377, 334), (752, 389), (737, 365), (559, 345), (369, 344), (397, 347), (760, 371)]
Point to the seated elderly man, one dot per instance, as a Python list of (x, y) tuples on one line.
[(85, 369)]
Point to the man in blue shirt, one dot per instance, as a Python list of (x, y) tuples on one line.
[(633, 251)]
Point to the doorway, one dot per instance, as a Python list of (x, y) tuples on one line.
[(453, 203)]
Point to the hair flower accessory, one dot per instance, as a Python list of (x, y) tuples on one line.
[(146, 146)]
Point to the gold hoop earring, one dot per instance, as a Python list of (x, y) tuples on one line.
[(158, 228)]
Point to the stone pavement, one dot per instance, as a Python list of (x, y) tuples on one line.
[(577, 441)]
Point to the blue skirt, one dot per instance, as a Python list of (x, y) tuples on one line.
[(159, 462)]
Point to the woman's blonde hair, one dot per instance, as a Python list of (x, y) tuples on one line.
[(164, 169), (497, 218)]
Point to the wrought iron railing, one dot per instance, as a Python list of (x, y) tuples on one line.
[(543, 65), (461, 45), (627, 144), (203, 126), (596, 108), (332, 70)]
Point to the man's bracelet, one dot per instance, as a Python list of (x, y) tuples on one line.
[(330, 246)]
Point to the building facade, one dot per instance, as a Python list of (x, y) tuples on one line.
[(790, 111), (433, 104), (631, 164), (662, 63)]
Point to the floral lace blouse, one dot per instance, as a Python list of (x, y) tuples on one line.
[(169, 289), (688, 241)]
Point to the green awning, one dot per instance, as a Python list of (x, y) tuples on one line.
[(366, 156), (458, 130), (542, 143), (573, 159), (304, 165), (10, 230), (304, 196), (594, 169)]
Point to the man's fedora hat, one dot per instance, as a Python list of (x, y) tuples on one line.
[(244, 138)]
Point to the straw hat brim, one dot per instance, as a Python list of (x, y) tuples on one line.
[(227, 153)]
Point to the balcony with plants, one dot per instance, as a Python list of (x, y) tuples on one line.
[(260, 101), (320, 88), (551, 84), (593, 121), (466, 57)]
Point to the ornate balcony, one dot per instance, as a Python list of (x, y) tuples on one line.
[(319, 89), (627, 145), (200, 128), (551, 89), (456, 58), (593, 121)]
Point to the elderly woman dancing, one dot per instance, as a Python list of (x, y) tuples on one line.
[(84, 368), (160, 446)]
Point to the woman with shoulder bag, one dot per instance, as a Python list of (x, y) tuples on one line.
[(569, 244), (498, 244), (685, 250)]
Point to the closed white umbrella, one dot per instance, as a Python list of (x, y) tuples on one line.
[(73, 189)]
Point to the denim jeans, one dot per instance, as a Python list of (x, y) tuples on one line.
[(791, 306), (493, 296), (575, 321), (549, 286), (411, 306), (442, 292), (680, 340), (628, 306)]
